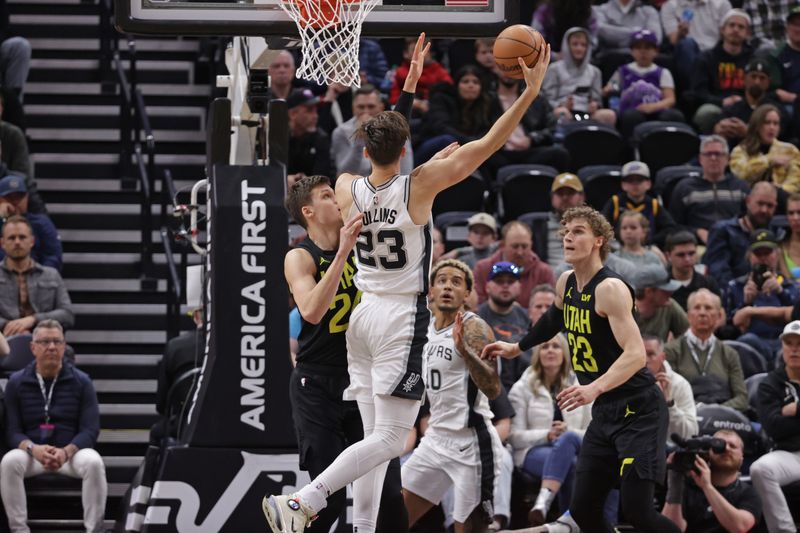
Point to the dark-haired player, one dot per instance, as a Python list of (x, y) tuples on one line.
[(626, 438)]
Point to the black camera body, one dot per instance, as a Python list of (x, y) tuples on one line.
[(689, 449), (758, 274)]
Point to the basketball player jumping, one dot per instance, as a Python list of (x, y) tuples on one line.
[(626, 438), (388, 329), (461, 447)]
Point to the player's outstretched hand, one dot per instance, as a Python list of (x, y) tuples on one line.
[(502, 349), (535, 76), (349, 233), (417, 63), (573, 397)]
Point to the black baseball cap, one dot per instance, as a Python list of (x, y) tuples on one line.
[(301, 97)]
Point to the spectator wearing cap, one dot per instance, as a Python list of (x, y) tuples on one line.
[(762, 157), (507, 318), (515, 247), (566, 192), (730, 239), (657, 313), (636, 183), (16, 159), (700, 201), (763, 286), (309, 146), (682, 257), (616, 19), (718, 77), (482, 238), (778, 405), (735, 117), (692, 26), (347, 151), (712, 368), (14, 200), (787, 57), (646, 90)]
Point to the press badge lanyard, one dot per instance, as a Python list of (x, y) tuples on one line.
[(46, 396), (695, 356)]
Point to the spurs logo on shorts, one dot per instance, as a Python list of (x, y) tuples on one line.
[(412, 380)]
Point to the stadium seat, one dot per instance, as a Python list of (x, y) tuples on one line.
[(752, 384), (590, 143), (467, 195), (661, 144), (453, 226), (538, 223), (668, 177), (524, 188), (177, 397), (599, 183), (20, 355), (753, 362), (779, 225)]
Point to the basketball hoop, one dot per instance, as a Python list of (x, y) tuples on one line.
[(330, 31)]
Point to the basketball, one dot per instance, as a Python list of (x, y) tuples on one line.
[(516, 41)]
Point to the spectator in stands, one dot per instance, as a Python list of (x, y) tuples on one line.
[(633, 229), (282, 75), (734, 124), (712, 368), (763, 286), (646, 90), (546, 440), (14, 155), (532, 140), (635, 197), (47, 250), (347, 151), (459, 113), (698, 202), (617, 19), (515, 247), (718, 77), (681, 252), (789, 256), (778, 399), (433, 74), (508, 320), (181, 354), (677, 391), (52, 432), (542, 297), (437, 245), (788, 60), (692, 27), (482, 238), (566, 192), (371, 62), (484, 60), (713, 498), (309, 146), (30, 292), (762, 157), (768, 19), (729, 240), (553, 19), (658, 314), (573, 86)]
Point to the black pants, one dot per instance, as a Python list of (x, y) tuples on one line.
[(625, 443), (326, 425)]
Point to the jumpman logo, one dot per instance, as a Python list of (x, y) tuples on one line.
[(628, 411), (322, 261), (569, 292)]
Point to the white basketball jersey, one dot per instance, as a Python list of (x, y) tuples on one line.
[(393, 253), (454, 398)]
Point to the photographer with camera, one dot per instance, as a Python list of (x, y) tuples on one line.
[(763, 287), (704, 492), (778, 396)]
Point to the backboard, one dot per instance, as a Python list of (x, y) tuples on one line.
[(391, 18)]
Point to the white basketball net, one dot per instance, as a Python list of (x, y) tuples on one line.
[(330, 30)]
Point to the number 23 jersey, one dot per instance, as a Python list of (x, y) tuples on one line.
[(592, 344), (393, 253)]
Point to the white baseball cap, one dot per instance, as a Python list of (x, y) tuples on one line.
[(792, 328)]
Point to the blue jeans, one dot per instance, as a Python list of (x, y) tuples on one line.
[(429, 147), (686, 53)]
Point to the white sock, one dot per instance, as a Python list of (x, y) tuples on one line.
[(315, 495)]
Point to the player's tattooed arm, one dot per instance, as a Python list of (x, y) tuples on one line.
[(470, 336)]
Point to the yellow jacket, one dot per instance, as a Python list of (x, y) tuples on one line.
[(757, 167)]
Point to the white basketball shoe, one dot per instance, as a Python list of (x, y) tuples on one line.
[(287, 514)]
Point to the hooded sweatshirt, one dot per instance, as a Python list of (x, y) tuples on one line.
[(564, 77)]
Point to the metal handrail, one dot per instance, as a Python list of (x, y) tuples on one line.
[(174, 286), (146, 215)]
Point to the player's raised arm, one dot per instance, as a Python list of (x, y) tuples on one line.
[(470, 337), (435, 176), (614, 301)]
